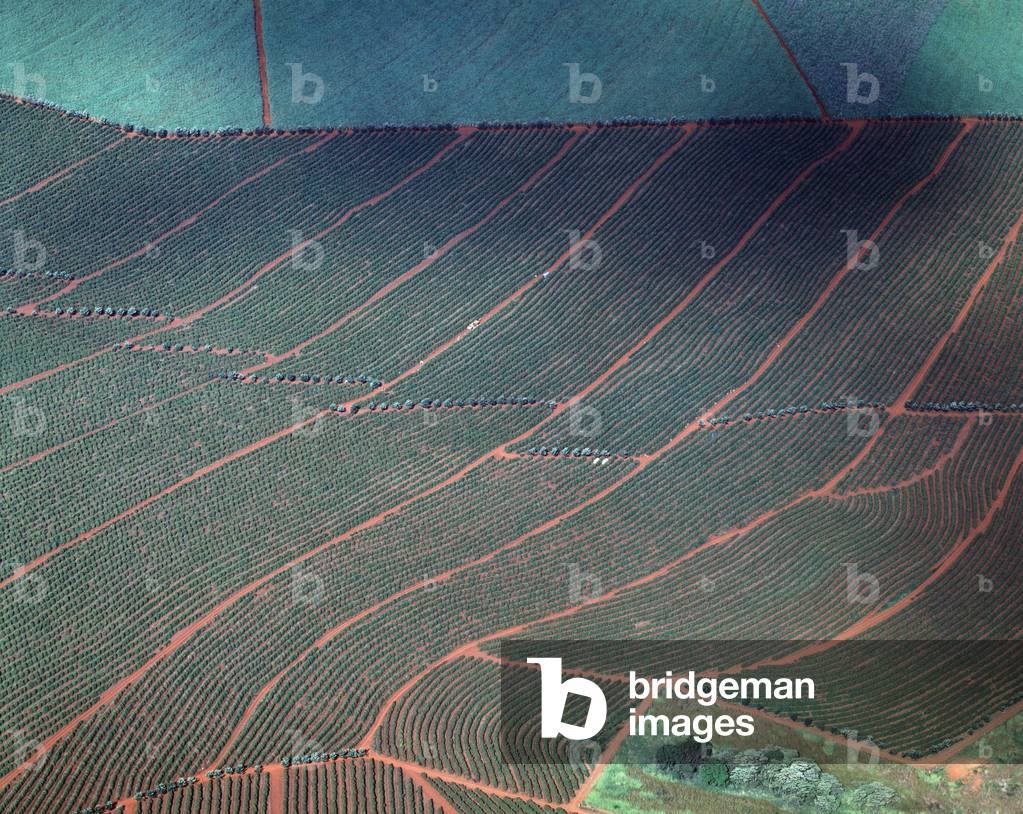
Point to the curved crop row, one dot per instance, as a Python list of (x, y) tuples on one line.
[(736, 321)]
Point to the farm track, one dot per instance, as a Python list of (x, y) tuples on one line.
[(502, 452), (181, 226), (182, 636), (294, 251), (185, 634), (45, 182), (264, 85), (825, 116), (713, 540)]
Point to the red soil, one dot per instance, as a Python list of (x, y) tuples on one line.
[(792, 58), (191, 219), (996, 721), (463, 134), (430, 792), (687, 130), (42, 559), (704, 281), (434, 256), (939, 464), (261, 55), (942, 566), (61, 173), (448, 777), (275, 801)]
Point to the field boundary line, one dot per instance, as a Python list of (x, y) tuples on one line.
[(271, 359), (825, 116), (622, 200), (431, 792), (186, 633), (264, 85)]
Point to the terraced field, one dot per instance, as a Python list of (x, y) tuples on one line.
[(299, 427)]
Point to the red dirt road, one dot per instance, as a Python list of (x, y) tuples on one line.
[(795, 62), (179, 638), (45, 182), (982, 281), (264, 85), (690, 428), (854, 131), (275, 800), (450, 244), (184, 224)]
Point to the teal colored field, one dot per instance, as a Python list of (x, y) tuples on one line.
[(158, 64), (196, 65), (467, 61), (970, 63)]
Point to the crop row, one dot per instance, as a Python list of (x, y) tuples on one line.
[(380, 243), (620, 283), (35, 144), (46, 343), (515, 246), (460, 720), (818, 566), (355, 787), (909, 444), (240, 794), (467, 800), (235, 235), (718, 340), (107, 389)]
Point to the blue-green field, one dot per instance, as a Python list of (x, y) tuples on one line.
[(194, 65)]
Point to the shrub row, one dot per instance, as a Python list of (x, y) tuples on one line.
[(163, 788), (323, 757), (21, 275), (429, 404), (964, 406)]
